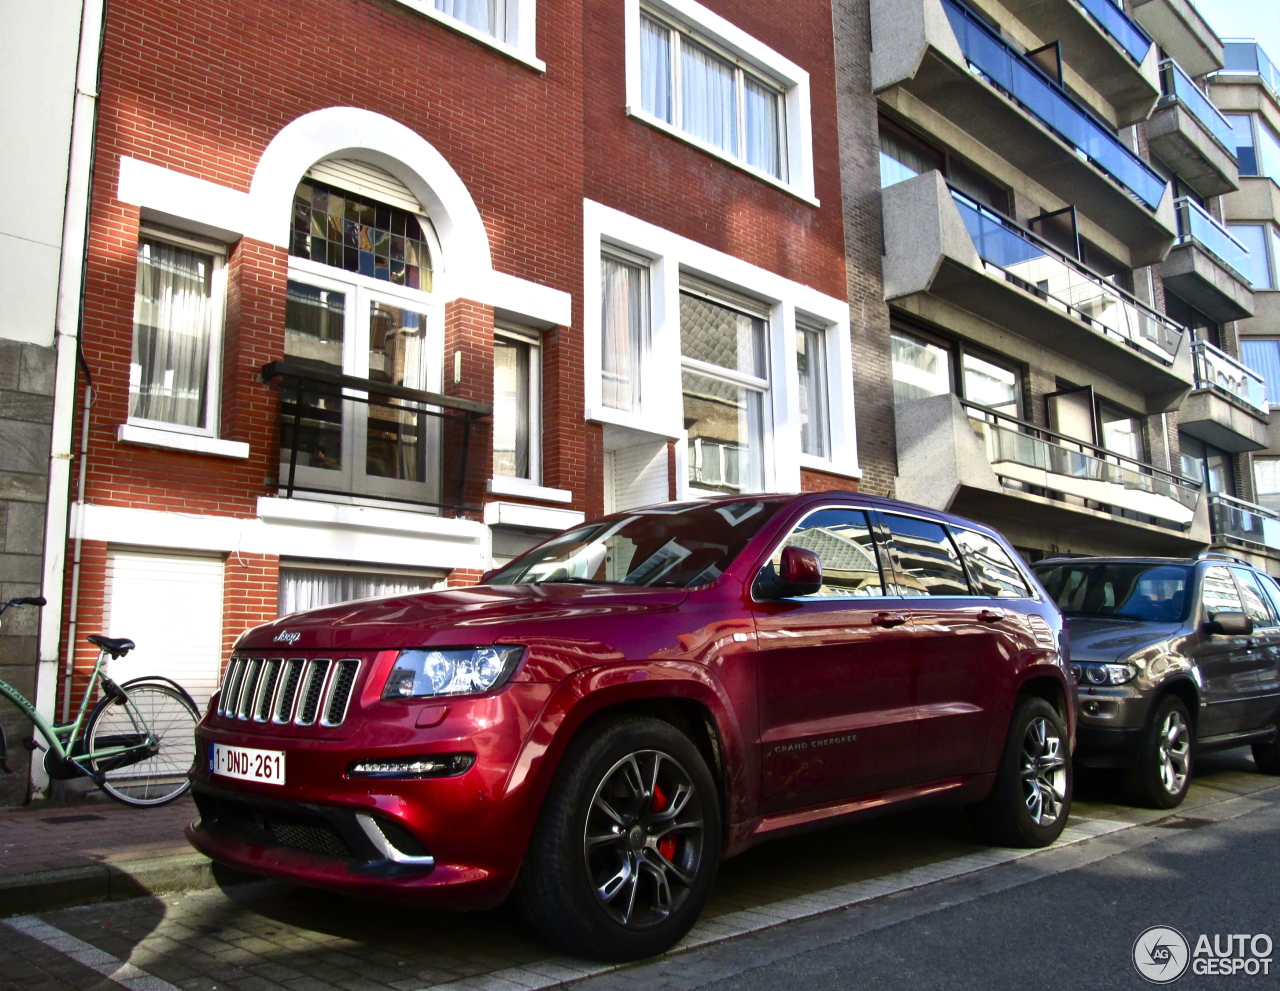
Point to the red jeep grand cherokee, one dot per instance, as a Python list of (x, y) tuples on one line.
[(598, 723)]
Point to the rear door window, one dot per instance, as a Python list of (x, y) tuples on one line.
[(843, 540), (990, 566), (927, 560), (1218, 592), (1255, 601)]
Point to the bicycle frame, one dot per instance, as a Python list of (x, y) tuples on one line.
[(62, 737)]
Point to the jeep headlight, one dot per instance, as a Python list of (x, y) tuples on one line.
[(452, 671)]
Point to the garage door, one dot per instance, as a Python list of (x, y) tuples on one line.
[(171, 607)]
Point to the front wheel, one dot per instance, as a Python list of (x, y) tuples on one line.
[(1162, 774), (144, 777), (1029, 802), (627, 844)]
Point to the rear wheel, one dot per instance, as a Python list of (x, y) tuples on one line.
[(627, 844), (158, 774), (1029, 802), (1163, 772)]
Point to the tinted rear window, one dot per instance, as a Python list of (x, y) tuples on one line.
[(990, 566), (928, 562)]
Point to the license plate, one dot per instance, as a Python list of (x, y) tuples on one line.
[(264, 766)]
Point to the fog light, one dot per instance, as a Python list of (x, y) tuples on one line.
[(433, 766)]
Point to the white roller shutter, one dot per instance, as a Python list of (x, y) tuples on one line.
[(171, 607), (367, 180)]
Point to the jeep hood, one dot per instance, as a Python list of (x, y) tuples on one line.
[(1100, 638)]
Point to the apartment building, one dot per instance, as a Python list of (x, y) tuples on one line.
[(381, 292), (1062, 288)]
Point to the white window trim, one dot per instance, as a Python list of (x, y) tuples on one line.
[(522, 47), (793, 80), (805, 321), (135, 433), (661, 406), (217, 319), (534, 412)]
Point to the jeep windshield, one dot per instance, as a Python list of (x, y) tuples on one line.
[(676, 546), (1151, 592)]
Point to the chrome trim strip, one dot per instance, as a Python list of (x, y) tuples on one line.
[(384, 847)]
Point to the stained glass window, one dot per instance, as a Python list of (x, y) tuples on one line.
[(342, 229)]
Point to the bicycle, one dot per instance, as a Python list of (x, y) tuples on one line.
[(138, 742)]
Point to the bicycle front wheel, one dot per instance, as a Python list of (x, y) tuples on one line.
[(159, 776)]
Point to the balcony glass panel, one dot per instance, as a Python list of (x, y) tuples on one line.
[(1176, 84), (1217, 370), (1033, 265), (1248, 56), (1013, 73), (1195, 223), (1117, 24), (1235, 519)]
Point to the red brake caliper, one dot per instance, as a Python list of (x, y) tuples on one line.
[(666, 845)]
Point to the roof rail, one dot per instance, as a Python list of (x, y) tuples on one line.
[(1220, 556)]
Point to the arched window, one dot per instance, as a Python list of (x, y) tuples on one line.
[(359, 305)]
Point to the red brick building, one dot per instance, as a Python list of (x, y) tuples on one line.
[(602, 239)]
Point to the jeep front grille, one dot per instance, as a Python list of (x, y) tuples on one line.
[(294, 690)]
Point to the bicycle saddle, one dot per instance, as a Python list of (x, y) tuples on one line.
[(116, 648)]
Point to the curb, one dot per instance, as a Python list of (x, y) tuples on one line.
[(42, 891)]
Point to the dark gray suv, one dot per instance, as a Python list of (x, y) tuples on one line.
[(1172, 657)]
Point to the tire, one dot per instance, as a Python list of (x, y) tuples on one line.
[(1267, 755), (1162, 775), (608, 847), (1031, 797), (164, 775)]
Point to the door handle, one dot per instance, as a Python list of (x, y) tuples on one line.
[(991, 616), (888, 619)]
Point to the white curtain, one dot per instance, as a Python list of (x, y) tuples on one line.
[(172, 314), (624, 292), (483, 15), (511, 408), (708, 96), (655, 68), (763, 113), (312, 589)]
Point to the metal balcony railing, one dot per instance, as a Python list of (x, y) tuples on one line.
[(1247, 56), (1217, 370), (1120, 26), (1197, 224), (1037, 267), (1237, 521), (1044, 99), (424, 437), (1011, 440), (1177, 86)]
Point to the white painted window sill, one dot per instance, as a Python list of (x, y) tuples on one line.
[(172, 440), (710, 149), (633, 421), (522, 487), (427, 9), (829, 467)]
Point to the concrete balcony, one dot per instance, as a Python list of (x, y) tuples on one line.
[(1178, 28), (1244, 524), (1104, 45), (940, 245), (1265, 321), (1190, 135), (1207, 266), (1228, 408), (1258, 199), (939, 54), (973, 461)]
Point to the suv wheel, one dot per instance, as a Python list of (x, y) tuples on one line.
[(1029, 802), (627, 844), (1163, 772)]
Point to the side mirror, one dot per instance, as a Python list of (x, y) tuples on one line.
[(1229, 624), (488, 574), (799, 573)]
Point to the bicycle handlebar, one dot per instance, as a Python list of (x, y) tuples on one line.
[(35, 600)]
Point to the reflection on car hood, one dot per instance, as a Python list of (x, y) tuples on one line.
[(474, 616), (1099, 638)]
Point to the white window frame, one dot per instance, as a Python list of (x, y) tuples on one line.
[(217, 318), (730, 41), (815, 325), (661, 412), (533, 339), (620, 254), (521, 34)]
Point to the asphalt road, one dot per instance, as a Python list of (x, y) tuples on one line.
[(1066, 919)]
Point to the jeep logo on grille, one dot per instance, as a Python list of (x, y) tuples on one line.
[(287, 636)]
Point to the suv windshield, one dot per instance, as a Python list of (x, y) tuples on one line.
[(673, 545), (1152, 592)]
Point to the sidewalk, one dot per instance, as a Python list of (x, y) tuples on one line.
[(95, 851)]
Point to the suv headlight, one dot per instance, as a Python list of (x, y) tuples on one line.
[(453, 671), (1102, 674)]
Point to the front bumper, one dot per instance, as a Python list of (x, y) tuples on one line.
[(450, 842), (1110, 725)]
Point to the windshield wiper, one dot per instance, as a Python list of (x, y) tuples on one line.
[(573, 580)]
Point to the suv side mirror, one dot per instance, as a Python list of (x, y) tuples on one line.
[(799, 573), (1229, 624), (488, 574)]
